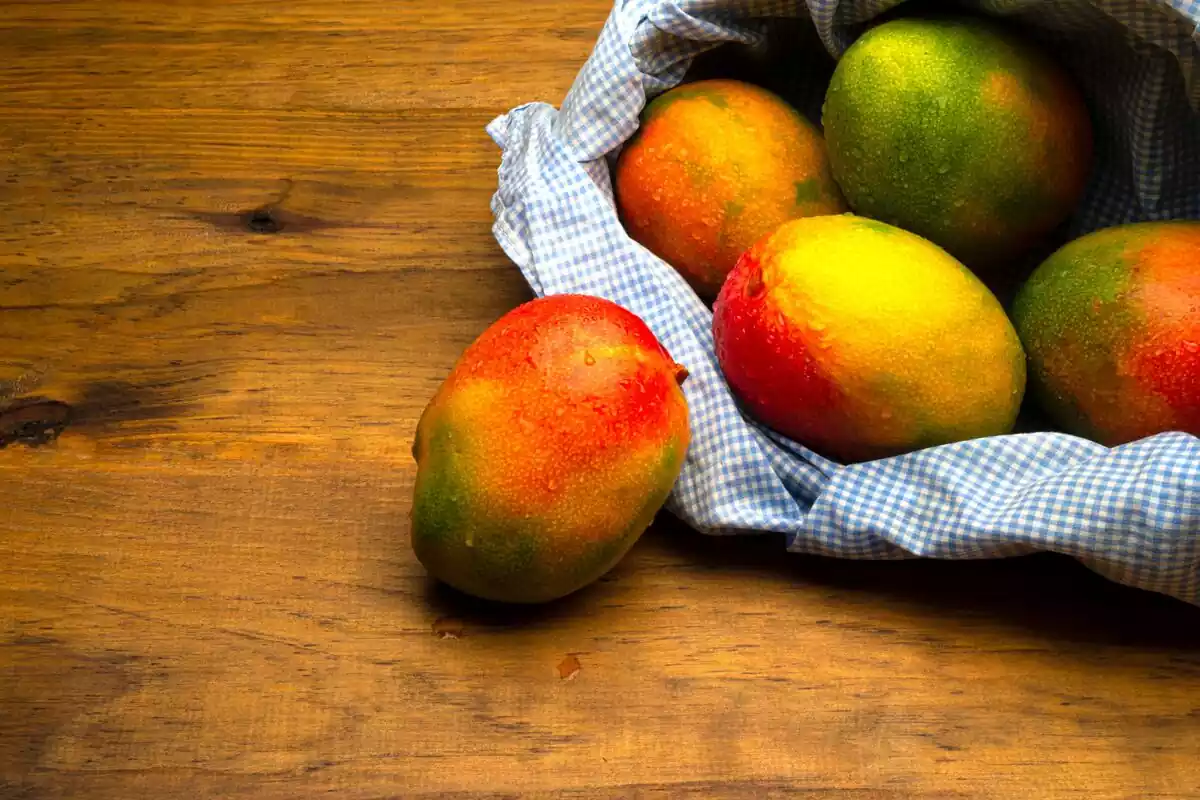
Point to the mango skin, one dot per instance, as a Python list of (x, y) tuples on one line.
[(1111, 325), (714, 166), (961, 132), (864, 341), (547, 451)]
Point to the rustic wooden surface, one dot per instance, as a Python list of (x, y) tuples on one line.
[(206, 589)]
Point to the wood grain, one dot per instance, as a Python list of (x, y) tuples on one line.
[(240, 245)]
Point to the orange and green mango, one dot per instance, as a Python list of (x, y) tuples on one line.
[(1111, 324), (714, 166), (960, 131), (547, 451)]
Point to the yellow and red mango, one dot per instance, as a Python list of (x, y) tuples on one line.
[(714, 166), (547, 451), (863, 341), (960, 131), (1111, 324)]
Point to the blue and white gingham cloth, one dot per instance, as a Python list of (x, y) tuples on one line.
[(1130, 513)]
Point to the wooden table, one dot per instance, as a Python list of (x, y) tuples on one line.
[(240, 245)]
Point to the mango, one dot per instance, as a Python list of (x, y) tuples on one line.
[(1111, 325), (864, 341), (547, 451), (714, 166), (961, 131)]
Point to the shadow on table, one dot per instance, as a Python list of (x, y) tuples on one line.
[(460, 608), (1048, 594)]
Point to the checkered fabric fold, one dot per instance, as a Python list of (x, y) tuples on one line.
[(1130, 513)]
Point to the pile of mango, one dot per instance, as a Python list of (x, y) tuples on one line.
[(853, 272)]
